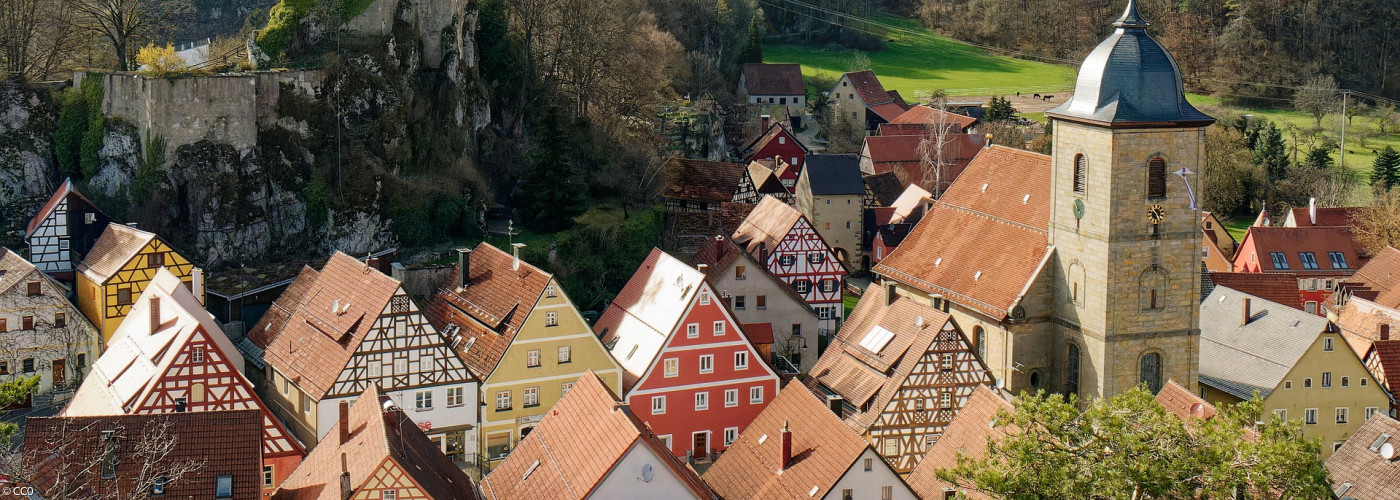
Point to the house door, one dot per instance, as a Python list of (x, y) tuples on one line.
[(59, 380), (702, 446)]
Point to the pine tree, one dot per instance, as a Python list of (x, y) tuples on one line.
[(1385, 171), (551, 192), (1271, 153), (1000, 109), (752, 51), (1320, 158)]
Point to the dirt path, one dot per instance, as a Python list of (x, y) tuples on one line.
[(1025, 103)]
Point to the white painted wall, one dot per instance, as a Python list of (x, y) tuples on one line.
[(867, 485), (625, 479)]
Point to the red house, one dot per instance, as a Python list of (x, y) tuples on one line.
[(689, 371), (779, 142), (169, 356), (1320, 256), (784, 242)]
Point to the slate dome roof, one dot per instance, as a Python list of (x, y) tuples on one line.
[(1130, 79)]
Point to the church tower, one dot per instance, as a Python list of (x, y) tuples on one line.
[(1127, 157)]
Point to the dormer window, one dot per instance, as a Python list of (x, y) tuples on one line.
[(1309, 261), (1339, 260), (223, 487)]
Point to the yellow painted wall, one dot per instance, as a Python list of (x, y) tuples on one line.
[(513, 374), (289, 403), (90, 302), (1341, 362), (105, 312)]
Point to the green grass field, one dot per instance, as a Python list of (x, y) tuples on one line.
[(918, 63), (1359, 156)]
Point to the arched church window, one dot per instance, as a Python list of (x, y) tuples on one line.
[(1156, 178), (1072, 370), (1081, 173), (980, 335), (1152, 289), (1076, 283), (1150, 371)]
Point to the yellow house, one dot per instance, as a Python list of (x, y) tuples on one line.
[(521, 335), (116, 270), (1298, 362)]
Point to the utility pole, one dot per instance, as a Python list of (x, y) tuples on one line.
[(1343, 163)]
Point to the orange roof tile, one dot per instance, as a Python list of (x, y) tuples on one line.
[(117, 245), (1294, 240), (1280, 287), (759, 333), (1381, 275), (491, 309), (275, 319), (888, 111), (925, 115), (1361, 324), (1328, 216), (768, 224), (1387, 355), (1358, 465), (869, 87), (1180, 402), (553, 462), (967, 435)]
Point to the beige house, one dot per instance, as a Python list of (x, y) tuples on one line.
[(831, 194), (41, 333), (1299, 363), (757, 297)]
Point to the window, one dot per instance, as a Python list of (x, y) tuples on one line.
[(4, 367), (532, 358), (781, 139), (886, 492), (658, 405), (1363, 381), (692, 330), (945, 399), (848, 223), (27, 322), (551, 319), (730, 434), (704, 298), (550, 291), (223, 487), (60, 320), (739, 272), (197, 355), (1282, 414), (702, 400), (1280, 262), (1307, 382), (1288, 384), (1072, 370), (787, 260), (388, 494), (1150, 371), (1310, 416), (815, 258), (197, 392), (945, 362), (498, 445), (454, 396), (891, 447), (719, 328), (109, 456), (564, 388), (1339, 260), (1346, 381), (374, 369), (760, 302), (828, 285), (286, 386), (28, 365), (423, 400), (672, 366), (4, 325), (846, 494), (532, 397), (707, 363), (739, 302), (566, 354), (756, 395), (1342, 415), (1081, 168), (1327, 343), (1157, 178), (31, 288), (401, 366), (502, 400), (731, 398), (1309, 262), (869, 464), (1327, 379), (741, 360), (1370, 412), (980, 334), (801, 285), (268, 476), (306, 404)]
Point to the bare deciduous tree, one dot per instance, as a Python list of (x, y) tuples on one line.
[(65, 463), (36, 38), (125, 23), (1378, 225)]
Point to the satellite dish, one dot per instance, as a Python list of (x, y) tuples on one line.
[(1001, 383), (646, 473), (1388, 451)]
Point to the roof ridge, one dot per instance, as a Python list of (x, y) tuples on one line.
[(996, 218)]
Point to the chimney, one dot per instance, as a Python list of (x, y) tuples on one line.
[(989, 140), (763, 253), (515, 249), (702, 267), (344, 422), (766, 120), (1385, 331), (197, 284), (345, 491), (372, 262), (1246, 315), (1312, 211), (155, 313), (834, 402), (787, 447), (464, 263)]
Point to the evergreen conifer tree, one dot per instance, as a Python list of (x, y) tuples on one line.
[(752, 51), (551, 192), (1385, 171)]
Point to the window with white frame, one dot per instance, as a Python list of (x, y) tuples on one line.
[(1281, 413), (532, 397), (502, 400), (787, 260), (532, 358), (945, 399), (731, 398), (704, 298), (945, 362), (816, 258), (389, 495), (564, 388), (566, 354), (1310, 416), (707, 363), (702, 400), (268, 475), (1327, 343), (756, 395), (1327, 379), (551, 318), (423, 400), (1370, 412), (730, 434), (455, 396), (719, 328), (401, 366), (1342, 414), (374, 369), (658, 405), (197, 355), (741, 360), (672, 367), (692, 330), (550, 291), (739, 302)]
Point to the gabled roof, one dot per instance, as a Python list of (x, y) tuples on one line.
[(766, 225), (887, 111), (774, 79), (1387, 355), (1002, 200), (645, 313), (869, 87), (860, 374), (375, 435), (1361, 322), (770, 135), (315, 343), (117, 245), (137, 356), (1293, 240), (1240, 359), (711, 181), (1381, 277), (885, 187), (554, 462), (721, 252), (1275, 287), (281, 310), (1328, 216), (823, 450), (65, 451), (893, 234), (765, 179), (910, 200), (925, 115), (1357, 469), (833, 174), (15, 269), (491, 309), (966, 435), (759, 333), (64, 190), (1178, 401)]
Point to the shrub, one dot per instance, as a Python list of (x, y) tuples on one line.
[(283, 22), (68, 138), (92, 137), (160, 61)]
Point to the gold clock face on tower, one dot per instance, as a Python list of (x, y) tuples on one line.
[(1156, 213)]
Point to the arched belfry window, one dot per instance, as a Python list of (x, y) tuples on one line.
[(1072, 370), (1150, 371), (1156, 177), (1081, 173)]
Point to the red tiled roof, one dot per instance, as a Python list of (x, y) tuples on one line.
[(1361, 326), (1329, 216), (770, 135), (315, 343), (967, 435), (869, 88), (774, 79), (1293, 240), (491, 309), (898, 99), (275, 319), (1177, 400), (1280, 287), (1387, 354), (925, 115), (887, 111), (759, 333), (64, 451), (375, 436), (117, 245), (765, 179), (554, 462), (1381, 275), (946, 252), (822, 451), (711, 181), (1370, 475)]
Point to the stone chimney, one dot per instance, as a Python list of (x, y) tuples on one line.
[(344, 422), (787, 447), (834, 403), (372, 263), (767, 120), (345, 490), (1385, 331), (703, 268), (1245, 314), (464, 263), (515, 249), (155, 313), (763, 254)]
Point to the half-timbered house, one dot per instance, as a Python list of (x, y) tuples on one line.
[(118, 267), (900, 370), (703, 186), (777, 142), (337, 332), (63, 231), (519, 334), (756, 297), (688, 368), (171, 357), (785, 243), (40, 331), (376, 451)]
